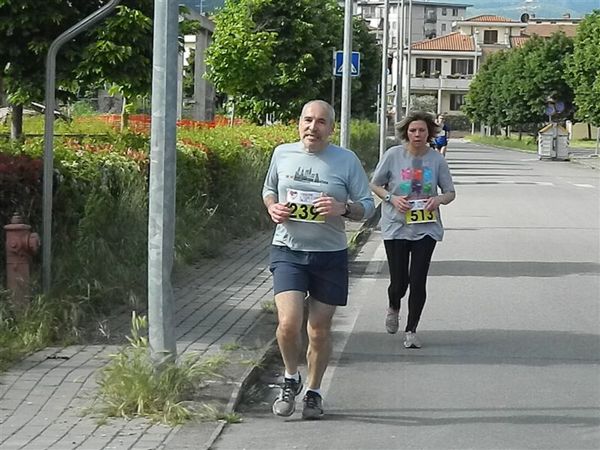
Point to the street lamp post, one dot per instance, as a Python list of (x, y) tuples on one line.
[(401, 18), (383, 101), (409, 55), (346, 74)]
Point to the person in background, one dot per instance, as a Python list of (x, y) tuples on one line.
[(310, 187), (409, 179), (440, 143)]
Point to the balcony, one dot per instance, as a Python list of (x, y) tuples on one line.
[(433, 82)]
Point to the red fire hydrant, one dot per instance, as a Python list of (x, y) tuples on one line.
[(21, 245)]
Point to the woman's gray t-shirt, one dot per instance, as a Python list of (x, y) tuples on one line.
[(401, 173)]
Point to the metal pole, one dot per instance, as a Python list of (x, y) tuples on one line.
[(409, 55), (384, 56), (333, 83), (346, 74), (400, 53), (161, 215), (50, 102)]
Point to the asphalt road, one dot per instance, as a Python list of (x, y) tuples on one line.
[(511, 330)]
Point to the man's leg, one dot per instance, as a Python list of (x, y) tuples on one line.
[(319, 340), (290, 312), (317, 356)]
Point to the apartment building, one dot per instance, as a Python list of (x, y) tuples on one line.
[(429, 19), (444, 66)]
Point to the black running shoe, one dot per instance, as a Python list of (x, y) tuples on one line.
[(285, 403), (313, 406)]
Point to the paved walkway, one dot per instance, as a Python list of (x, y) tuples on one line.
[(43, 397)]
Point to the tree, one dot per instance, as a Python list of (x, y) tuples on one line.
[(273, 56), (480, 105), (27, 28), (583, 68), (117, 53), (513, 86)]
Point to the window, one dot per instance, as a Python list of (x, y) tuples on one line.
[(428, 68), (456, 101), (490, 36), (462, 67), (455, 11), (444, 12), (443, 27)]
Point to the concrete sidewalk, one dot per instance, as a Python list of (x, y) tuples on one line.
[(42, 398), (218, 301)]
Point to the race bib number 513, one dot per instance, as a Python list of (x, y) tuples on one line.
[(418, 214), (301, 204)]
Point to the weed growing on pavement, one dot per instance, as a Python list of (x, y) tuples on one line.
[(209, 412), (131, 386), (268, 306), (44, 322), (231, 347)]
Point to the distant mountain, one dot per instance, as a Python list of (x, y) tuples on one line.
[(541, 8)]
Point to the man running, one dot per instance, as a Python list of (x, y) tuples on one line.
[(310, 187)]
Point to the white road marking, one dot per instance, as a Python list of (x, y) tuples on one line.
[(583, 185), (345, 319)]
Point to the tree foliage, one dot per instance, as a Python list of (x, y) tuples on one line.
[(583, 68), (117, 52), (513, 87), (28, 27), (273, 56)]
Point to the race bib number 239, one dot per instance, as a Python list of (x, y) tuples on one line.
[(301, 204)]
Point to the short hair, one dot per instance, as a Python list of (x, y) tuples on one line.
[(324, 104), (402, 127)]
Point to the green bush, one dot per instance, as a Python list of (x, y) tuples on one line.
[(100, 202)]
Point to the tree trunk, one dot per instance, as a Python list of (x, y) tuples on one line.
[(2, 94), (16, 123), (589, 131), (124, 116)]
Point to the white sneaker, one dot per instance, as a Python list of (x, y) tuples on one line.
[(391, 321), (411, 341)]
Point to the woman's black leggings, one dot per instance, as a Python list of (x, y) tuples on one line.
[(409, 264)]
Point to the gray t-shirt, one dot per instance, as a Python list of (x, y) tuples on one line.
[(336, 172), (415, 177)]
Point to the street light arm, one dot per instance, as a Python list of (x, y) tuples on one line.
[(49, 131)]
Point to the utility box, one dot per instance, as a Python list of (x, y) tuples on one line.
[(553, 142)]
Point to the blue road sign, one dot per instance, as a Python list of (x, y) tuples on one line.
[(338, 65)]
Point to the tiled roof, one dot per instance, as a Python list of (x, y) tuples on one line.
[(517, 41), (547, 29), (489, 18), (456, 42)]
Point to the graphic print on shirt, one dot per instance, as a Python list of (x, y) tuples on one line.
[(416, 182), (307, 175)]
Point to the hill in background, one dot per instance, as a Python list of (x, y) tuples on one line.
[(541, 8)]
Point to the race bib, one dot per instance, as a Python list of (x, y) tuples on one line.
[(301, 204), (418, 214)]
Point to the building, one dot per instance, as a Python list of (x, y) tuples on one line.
[(429, 19), (202, 6)]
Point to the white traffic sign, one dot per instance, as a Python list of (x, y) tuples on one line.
[(338, 64)]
